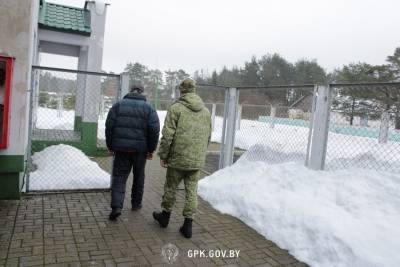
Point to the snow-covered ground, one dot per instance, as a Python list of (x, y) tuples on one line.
[(65, 167), (336, 218), (283, 143), (48, 118), (286, 143)]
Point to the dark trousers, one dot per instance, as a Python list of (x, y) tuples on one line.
[(123, 163)]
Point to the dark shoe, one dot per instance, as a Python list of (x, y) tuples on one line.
[(136, 207), (162, 218), (186, 229), (115, 213)]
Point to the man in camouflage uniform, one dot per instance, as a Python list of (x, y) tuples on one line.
[(185, 138)]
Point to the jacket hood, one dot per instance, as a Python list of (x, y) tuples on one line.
[(135, 96), (191, 101)]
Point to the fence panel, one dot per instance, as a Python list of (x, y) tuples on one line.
[(214, 98), (274, 123), (69, 109), (364, 128)]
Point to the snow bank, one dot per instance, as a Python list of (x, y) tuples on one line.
[(338, 218), (65, 167)]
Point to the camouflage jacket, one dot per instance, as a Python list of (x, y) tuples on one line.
[(186, 133)]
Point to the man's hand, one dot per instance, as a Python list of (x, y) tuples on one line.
[(163, 163), (110, 152), (149, 156)]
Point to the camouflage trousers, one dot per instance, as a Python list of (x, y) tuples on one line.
[(174, 177)]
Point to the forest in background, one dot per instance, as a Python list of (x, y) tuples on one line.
[(270, 70)]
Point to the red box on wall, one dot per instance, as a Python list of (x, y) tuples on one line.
[(6, 74)]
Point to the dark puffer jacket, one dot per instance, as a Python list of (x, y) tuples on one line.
[(132, 125)]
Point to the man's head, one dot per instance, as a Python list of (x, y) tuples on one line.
[(138, 89), (188, 85)]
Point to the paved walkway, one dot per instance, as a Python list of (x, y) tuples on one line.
[(72, 229)]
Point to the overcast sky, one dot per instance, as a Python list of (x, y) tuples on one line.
[(208, 34)]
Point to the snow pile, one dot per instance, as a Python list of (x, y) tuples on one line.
[(339, 218), (65, 167)]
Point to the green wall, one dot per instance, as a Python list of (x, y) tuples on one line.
[(77, 123), (11, 176)]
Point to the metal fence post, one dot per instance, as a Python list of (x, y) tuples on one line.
[(320, 128), (311, 125), (60, 105), (213, 112), (364, 120), (384, 128), (224, 122), (238, 116), (273, 115), (103, 107), (124, 85), (32, 94), (228, 135)]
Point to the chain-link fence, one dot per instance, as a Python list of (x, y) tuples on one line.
[(69, 109), (214, 99), (161, 105), (335, 127), (364, 128), (274, 123)]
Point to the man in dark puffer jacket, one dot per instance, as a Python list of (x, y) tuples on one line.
[(132, 130)]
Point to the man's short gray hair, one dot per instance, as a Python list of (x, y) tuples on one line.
[(137, 89)]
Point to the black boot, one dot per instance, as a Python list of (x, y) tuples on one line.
[(162, 218), (115, 213), (186, 229)]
